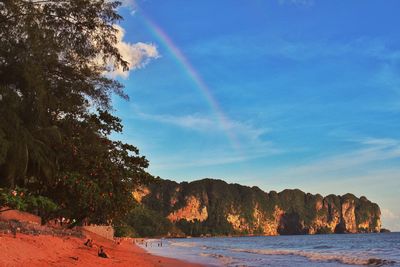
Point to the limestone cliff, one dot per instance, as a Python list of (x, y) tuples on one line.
[(213, 207), (190, 212)]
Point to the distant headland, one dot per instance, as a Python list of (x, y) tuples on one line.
[(211, 207)]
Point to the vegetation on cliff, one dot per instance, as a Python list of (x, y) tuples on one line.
[(213, 207)]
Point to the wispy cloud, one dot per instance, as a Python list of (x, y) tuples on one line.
[(137, 55), (213, 158), (192, 121), (207, 124), (390, 219), (131, 5), (372, 150), (128, 3), (389, 77), (296, 2), (251, 138), (388, 214), (294, 49)]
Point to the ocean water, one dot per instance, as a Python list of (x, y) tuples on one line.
[(300, 250)]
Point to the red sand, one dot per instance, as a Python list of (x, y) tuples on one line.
[(18, 215), (45, 250)]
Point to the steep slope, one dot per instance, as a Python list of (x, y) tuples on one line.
[(213, 207)]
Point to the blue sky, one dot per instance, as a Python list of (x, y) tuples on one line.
[(308, 91)]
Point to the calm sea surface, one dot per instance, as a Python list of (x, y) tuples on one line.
[(304, 250)]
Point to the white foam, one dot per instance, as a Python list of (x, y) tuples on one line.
[(314, 256), (184, 244), (223, 259)]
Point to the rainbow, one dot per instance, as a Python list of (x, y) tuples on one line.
[(194, 75)]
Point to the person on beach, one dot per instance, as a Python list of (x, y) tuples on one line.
[(101, 253), (89, 243)]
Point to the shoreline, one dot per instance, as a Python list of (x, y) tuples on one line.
[(295, 250), (47, 250), (256, 235)]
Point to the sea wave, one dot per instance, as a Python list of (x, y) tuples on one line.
[(184, 244), (322, 247), (225, 260), (191, 245), (315, 256)]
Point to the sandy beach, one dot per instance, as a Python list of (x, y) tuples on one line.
[(46, 250)]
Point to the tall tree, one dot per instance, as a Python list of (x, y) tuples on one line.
[(55, 102)]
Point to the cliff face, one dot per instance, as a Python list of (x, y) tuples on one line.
[(216, 208)]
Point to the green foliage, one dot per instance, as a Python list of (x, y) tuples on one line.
[(292, 200), (21, 199), (145, 222), (13, 199), (367, 212), (324, 230), (195, 228), (55, 120), (363, 211), (124, 230), (165, 190), (301, 204)]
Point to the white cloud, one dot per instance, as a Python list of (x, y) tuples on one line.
[(131, 5), (388, 214), (192, 121), (390, 219), (137, 54), (128, 3)]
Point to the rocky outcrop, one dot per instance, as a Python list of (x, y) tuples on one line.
[(139, 193), (268, 226), (213, 207), (349, 216), (190, 212)]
